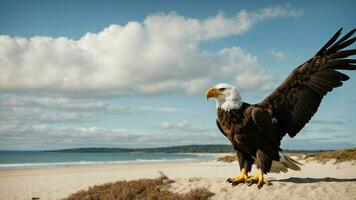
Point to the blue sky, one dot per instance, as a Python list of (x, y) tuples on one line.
[(134, 74)]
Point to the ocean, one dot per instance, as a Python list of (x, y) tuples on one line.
[(38, 159)]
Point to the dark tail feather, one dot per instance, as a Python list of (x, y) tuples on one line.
[(284, 164)]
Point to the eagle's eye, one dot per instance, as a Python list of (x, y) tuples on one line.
[(222, 89)]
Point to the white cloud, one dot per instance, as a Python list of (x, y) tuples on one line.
[(27, 115), (278, 55), (328, 121), (78, 104), (160, 54), (41, 136), (20, 109), (52, 102), (165, 125), (183, 126), (327, 143)]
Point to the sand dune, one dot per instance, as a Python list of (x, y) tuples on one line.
[(315, 181)]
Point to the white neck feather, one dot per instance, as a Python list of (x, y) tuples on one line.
[(233, 101)]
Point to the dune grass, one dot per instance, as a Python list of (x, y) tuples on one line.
[(227, 158), (143, 189), (339, 156)]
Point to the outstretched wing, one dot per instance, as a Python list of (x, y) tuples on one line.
[(296, 100)]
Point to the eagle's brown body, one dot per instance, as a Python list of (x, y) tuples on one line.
[(247, 138), (256, 131)]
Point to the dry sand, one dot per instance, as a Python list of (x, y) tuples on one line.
[(315, 181)]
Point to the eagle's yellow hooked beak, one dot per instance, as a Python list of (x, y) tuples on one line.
[(212, 92)]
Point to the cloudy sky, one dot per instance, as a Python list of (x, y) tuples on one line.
[(134, 74)]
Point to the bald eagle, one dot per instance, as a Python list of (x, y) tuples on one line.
[(256, 130)]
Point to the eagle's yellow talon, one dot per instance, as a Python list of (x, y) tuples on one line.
[(240, 179), (258, 179), (261, 183), (251, 180)]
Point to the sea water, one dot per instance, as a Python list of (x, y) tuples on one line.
[(36, 159)]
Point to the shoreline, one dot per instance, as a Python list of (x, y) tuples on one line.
[(88, 161), (26, 166), (86, 167)]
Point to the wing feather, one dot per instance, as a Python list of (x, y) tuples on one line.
[(342, 45), (264, 123), (342, 54), (220, 128), (330, 42), (297, 99), (341, 40)]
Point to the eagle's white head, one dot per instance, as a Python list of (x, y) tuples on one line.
[(227, 96)]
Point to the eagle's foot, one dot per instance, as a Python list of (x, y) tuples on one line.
[(237, 180), (240, 179), (258, 179)]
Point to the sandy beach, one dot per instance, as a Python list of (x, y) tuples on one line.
[(315, 181)]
